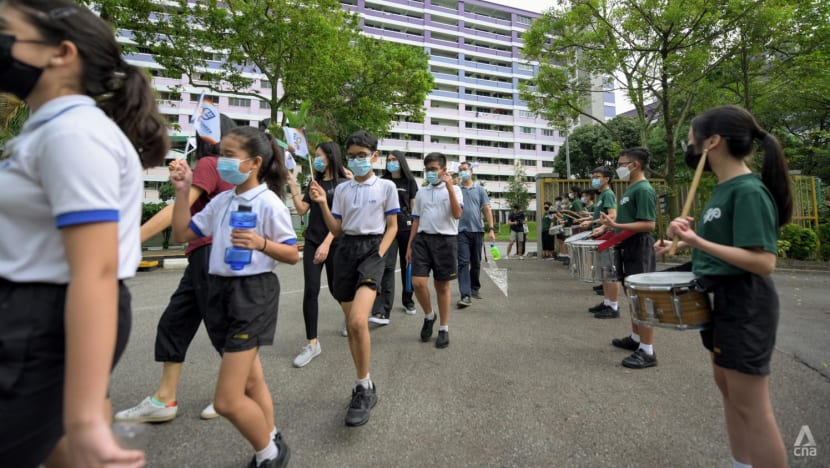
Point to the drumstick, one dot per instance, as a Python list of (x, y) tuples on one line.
[(690, 197)]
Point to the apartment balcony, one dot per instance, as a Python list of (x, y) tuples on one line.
[(489, 100), (441, 9), (488, 19), (488, 50), (386, 17), (442, 112), (444, 42), (444, 76), (391, 34), (443, 26), (156, 174), (483, 34), (490, 150), (467, 115), (490, 83), (483, 66), (447, 94), (487, 134), (437, 58)]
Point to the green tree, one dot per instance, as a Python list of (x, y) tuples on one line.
[(13, 113), (657, 50), (167, 191), (591, 146), (517, 193)]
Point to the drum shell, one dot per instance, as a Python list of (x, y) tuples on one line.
[(659, 301), (589, 264)]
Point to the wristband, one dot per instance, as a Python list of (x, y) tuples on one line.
[(264, 244)]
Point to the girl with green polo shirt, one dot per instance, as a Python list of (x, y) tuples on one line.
[(735, 251)]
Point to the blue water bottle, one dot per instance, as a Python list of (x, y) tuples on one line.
[(408, 277), (237, 257)]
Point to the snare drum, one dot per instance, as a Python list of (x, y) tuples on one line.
[(570, 240), (590, 265), (668, 300), (555, 230)]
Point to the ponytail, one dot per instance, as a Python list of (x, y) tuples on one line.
[(132, 106), (273, 172), (775, 175), (739, 129), (122, 91)]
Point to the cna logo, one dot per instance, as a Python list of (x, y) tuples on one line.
[(805, 444), (711, 214)]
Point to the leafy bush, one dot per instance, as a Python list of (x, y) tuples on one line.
[(824, 240), (802, 241)]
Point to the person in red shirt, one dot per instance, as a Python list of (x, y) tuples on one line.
[(185, 312)]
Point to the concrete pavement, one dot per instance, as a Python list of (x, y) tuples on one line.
[(529, 379)]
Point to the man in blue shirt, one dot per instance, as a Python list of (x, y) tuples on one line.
[(471, 235)]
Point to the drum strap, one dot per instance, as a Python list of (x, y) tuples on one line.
[(614, 240)]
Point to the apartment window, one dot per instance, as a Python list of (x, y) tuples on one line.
[(529, 162), (547, 132), (527, 147), (547, 163), (172, 118), (265, 84), (526, 114), (523, 19), (525, 67), (239, 102), (549, 149), (194, 97), (242, 123), (170, 96), (528, 130), (264, 105)]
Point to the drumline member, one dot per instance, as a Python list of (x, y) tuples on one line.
[(636, 213), (735, 247), (606, 203)]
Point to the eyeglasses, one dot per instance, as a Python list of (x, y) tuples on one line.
[(351, 156), (623, 164)]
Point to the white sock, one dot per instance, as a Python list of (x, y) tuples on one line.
[(366, 382), (649, 349), (268, 453), (445, 328), (614, 305), (635, 337), (737, 464), (273, 432), (430, 316), (606, 302)]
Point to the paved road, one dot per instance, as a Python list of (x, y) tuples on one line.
[(528, 380)]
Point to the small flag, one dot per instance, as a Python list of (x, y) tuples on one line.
[(297, 143), (289, 161), (206, 121)]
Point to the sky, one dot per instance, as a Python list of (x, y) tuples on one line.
[(538, 6)]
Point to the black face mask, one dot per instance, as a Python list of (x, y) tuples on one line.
[(16, 77), (693, 158)]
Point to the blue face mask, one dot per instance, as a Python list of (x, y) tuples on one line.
[(596, 183), (319, 164), (432, 177), (360, 166), (465, 175), (229, 170), (393, 166)]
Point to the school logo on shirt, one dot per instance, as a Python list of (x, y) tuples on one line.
[(623, 201), (711, 215)]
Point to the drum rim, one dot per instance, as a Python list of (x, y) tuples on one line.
[(633, 283)]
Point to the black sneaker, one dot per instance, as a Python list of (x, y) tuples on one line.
[(607, 313), (443, 339), (640, 360), (626, 343), (283, 455), (363, 400), (465, 301), (476, 295), (598, 290), (597, 308), (426, 330), (379, 319)]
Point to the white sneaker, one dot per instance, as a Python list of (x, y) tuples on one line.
[(308, 353), (344, 331), (147, 411), (209, 412), (409, 311), (379, 320)]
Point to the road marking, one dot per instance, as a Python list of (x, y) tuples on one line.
[(498, 275)]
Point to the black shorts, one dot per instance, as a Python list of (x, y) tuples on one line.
[(242, 311), (186, 309), (744, 322), (357, 264), (635, 255), (547, 241), (32, 365), (435, 252)]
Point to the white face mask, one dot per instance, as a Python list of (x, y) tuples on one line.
[(623, 173)]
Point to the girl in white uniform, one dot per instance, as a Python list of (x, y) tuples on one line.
[(70, 208)]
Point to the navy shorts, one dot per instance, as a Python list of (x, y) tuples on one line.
[(436, 252), (357, 264), (744, 322), (242, 311), (32, 365)]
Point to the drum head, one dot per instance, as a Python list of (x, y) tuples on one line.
[(661, 280), (587, 242), (578, 236)]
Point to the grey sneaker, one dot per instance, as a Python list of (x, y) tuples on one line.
[(464, 302), (308, 353), (476, 295), (147, 411), (209, 412), (409, 310)]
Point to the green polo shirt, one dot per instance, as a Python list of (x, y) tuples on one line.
[(605, 201), (639, 203), (577, 206), (741, 213)]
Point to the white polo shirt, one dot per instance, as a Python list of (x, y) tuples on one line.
[(363, 207), (70, 165), (273, 221), (432, 209)]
